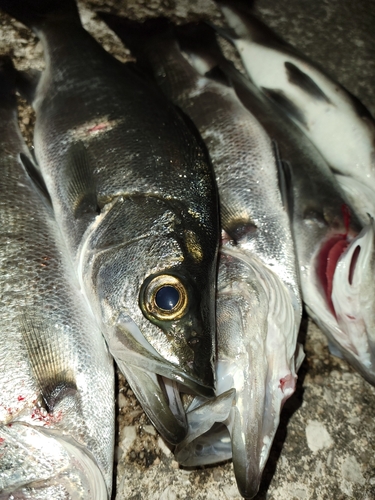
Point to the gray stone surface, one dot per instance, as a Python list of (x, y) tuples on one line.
[(325, 445)]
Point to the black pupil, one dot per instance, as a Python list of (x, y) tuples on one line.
[(167, 297)]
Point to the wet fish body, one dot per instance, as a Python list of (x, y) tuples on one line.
[(136, 200), (57, 381), (335, 251), (258, 302), (336, 122)]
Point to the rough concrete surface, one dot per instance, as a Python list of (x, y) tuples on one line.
[(325, 445)]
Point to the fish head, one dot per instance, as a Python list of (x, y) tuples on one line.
[(353, 302), (155, 294), (256, 372)]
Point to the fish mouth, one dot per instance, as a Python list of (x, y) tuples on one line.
[(345, 270), (157, 384), (256, 373)]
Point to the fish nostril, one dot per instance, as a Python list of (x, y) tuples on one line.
[(353, 264)]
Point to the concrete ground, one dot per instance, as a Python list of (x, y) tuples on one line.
[(325, 445)]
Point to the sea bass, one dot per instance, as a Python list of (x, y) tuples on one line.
[(257, 343), (230, 426), (335, 252), (57, 416), (135, 196), (337, 123)]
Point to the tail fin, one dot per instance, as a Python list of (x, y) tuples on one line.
[(35, 13)]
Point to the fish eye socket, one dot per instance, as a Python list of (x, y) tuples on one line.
[(165, 298)]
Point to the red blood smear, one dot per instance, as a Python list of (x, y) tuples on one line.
[(21, 398), (101, 126), (328, 258), (287, 382), (2, 440)]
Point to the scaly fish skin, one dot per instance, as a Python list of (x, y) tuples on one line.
[(336, 253), (337, 123), (57, 381), (136, 199), (238, 423), (257, 338)]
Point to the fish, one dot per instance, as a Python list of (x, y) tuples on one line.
[(135, 196), (335, 252), (229, 426), (336, 122), (57, 415), (258, 299)]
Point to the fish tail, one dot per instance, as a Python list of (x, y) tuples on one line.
[(34, 14)]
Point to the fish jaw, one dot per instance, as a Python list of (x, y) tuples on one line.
[(37, 463), (337, 124), (157, 384), (160, 399), (256, 372)]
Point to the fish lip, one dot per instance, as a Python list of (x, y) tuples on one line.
[(140, 353), (145, 369)]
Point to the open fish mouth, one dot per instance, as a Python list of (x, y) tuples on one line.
[(157, 384), (345, 271), (256, 372)]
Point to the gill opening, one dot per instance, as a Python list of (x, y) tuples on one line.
[(353, 264)]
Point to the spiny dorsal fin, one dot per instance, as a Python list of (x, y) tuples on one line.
[(300, 79), (81, 187), (50, 360)]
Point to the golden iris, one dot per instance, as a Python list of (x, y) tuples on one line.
[(165, 297)]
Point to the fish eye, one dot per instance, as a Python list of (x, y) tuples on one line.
[(165, 298)]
